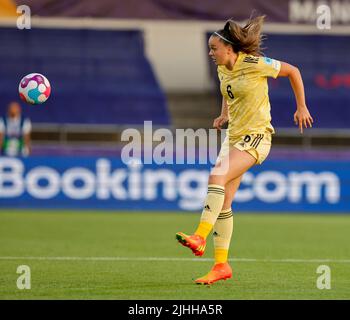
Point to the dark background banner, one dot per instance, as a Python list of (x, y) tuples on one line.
[(160, 9), (300, 11)]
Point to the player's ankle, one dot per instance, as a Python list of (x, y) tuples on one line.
[(203, 229)]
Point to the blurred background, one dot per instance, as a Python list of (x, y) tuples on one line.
[(114, 64)]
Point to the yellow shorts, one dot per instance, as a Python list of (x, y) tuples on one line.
[(258, 145)]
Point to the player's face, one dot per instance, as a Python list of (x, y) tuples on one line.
[(218, 51)]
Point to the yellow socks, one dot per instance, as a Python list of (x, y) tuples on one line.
[(222, 235), (220, 255), (204, 229), (221, 220), (213, 205)]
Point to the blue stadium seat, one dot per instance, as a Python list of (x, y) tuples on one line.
[(315, 55)]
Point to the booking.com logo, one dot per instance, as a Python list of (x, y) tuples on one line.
[(186, 186)]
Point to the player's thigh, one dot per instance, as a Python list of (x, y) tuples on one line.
[(231, 188), (232, 166)]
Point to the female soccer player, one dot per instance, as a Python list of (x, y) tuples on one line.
[(243, 73)]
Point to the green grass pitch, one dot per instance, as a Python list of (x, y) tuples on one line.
[(129, 255)]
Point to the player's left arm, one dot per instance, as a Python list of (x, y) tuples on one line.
[(302, 115)]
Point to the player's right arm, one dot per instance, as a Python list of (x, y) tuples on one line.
[(223, 118)]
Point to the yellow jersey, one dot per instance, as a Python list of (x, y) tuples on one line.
[(245, 90)]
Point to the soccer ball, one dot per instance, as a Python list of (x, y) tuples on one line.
[(34, 88)]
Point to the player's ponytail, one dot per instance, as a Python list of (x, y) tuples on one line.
[(247, 39)]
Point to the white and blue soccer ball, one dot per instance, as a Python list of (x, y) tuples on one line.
[(34, 88)]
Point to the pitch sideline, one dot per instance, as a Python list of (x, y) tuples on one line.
[(153, 259)]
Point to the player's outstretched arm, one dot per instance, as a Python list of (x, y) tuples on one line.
[(223, 118), (302, 116)]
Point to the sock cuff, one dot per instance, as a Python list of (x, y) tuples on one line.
[(225, 215), (214, 188), (226, 211)]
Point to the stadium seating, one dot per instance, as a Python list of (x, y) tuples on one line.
[(318, 57), (97, 76)]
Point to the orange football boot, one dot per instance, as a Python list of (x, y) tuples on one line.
[(195, 242), (220, 271)]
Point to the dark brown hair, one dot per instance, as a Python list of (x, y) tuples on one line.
[(247, 39)]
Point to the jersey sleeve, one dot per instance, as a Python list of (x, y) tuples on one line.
[(269, 67)]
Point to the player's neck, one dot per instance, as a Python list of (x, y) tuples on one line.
[(232, 61)]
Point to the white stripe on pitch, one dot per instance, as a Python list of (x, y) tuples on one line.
[(172, 259)]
